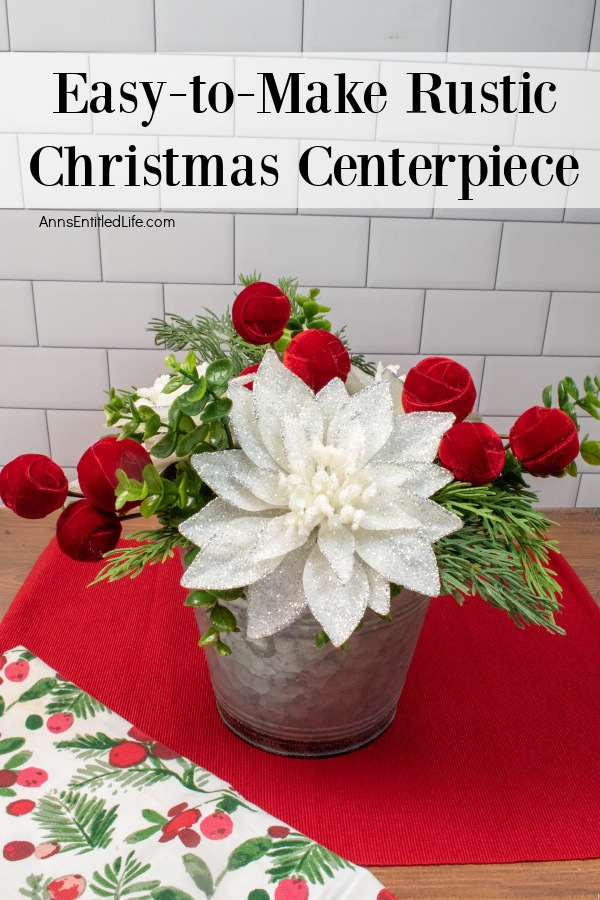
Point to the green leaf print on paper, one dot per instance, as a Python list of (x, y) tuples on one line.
[(39, 689), (18, 760), (99, 774), (9, 745), (199, 873), (170, 893), (248, 852), (298, 855), (67, 697), (37, 887), (119, 880), (86, 746), (75, 822)]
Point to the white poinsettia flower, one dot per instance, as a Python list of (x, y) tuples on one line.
[(324, 504)]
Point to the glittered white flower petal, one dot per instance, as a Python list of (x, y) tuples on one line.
[(279, 536), (264, 485), (203, 525), (219, 471), (277, 393), (245, 427), (210, 574), (278, 599), (384, 513), (367, 419), (336, 542), (396, 388), (331, 397), (424, 479), (357, 380), (337, 607), (399, 509), (405, 558), (415, 437), (379, 591)]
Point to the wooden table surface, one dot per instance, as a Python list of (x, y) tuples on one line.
[(579, 535)]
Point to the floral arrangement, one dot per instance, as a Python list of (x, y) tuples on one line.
[(294, 474)]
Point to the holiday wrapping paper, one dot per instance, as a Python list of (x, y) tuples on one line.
[(92, 807)]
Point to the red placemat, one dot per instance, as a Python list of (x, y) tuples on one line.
[(494, 755)]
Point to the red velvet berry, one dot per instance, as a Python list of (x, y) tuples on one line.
[(67, 887), (86, 533), (260, 313), (316, 357), (544, 440), (127, 754), (291, 889), (217, 826), (20, 807), (7, 777), (33, 486), (249, 370), (97, 469), (162, 752), (441, 385), (16, 850), (32, 777), (17, 671), (278, 831), (473, 452), (59, 722)]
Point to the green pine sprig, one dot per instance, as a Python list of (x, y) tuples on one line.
[(121, 880), (501, 553), (298, 855)]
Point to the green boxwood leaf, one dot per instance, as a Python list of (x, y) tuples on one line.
[(10, 745), (219, 372), (590, 452), (188, 442), (197, 391), (547, 395), (199, 873), (222, 619), (249, 851), (571, 387), (166, 446), (216, 409), (200, 598), (39, 689), (174, 384)]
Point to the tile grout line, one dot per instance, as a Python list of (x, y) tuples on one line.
[(499, 252), (368, 253), (542, 354), (592, 28), (420, 351), (154, 24), (35, 321)]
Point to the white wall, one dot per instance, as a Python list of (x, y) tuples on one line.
[(515, 294)]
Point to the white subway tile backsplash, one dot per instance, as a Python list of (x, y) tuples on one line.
[(72, 431), (11, 192), (320, 250), (573, 325), (4, 41), (531, 25), (189, 300), (198, 248), (433, 253), (229, 26), (100, 314), (135, 368), (22, 431), (595, 41), (17, 314), (512, 384), (542, 256), (377, 320), (34, 251), (495, 322), (502, 214), (50, 378), (589, 491), (385, 25), (555, 492), (66, 25)]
